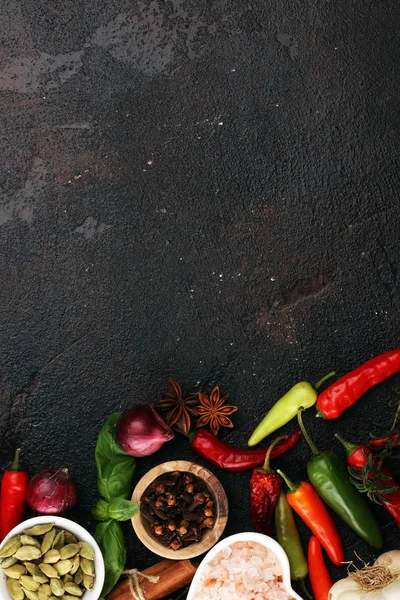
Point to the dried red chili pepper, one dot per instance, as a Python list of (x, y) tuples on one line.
[(230, 458), (14, 488), (265, 486), (348, 389), (357, 457), (381, 442), (321, 581)]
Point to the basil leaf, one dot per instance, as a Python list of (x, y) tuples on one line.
[(100, 511), (110, 538), (121, 509), (115, 468)]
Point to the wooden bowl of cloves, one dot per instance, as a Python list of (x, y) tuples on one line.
[(183, 510)]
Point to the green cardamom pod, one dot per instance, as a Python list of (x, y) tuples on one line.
[(8, 562), (49, 570), (67, 577), (44, 592), (86, 551), (69, 551), (48, 540), (88, 581), (51, 557), (27, 582), (27, 553), (31, 595), (70, 538), (59, 540), (10, 547), (57, 587), (39, 529), (87, 566), (78, 577), (15, 571), (36, 573), (73, 589), (75, 564), (28, 540), (15, 590), (63, 566)]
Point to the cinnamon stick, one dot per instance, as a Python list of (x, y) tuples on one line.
[(173, 575)]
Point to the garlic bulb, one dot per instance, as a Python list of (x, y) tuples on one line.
[(345, 589)]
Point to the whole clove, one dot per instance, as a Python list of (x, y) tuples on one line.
[(178, 508)]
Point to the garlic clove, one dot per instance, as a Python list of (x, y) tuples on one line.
[(345, 589), (391, 559), (391, 592)]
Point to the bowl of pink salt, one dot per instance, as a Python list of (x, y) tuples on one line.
[(245, 566)]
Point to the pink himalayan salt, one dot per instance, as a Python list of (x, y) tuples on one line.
[(242, 571)]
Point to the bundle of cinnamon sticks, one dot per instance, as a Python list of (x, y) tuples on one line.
[(156, 582)]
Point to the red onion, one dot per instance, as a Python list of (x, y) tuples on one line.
[(141, 431), (52, 492)]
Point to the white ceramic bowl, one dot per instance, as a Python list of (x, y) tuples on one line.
[(80, 533), (264, 540)]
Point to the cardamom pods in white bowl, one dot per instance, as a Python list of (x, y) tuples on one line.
[(50, 551)]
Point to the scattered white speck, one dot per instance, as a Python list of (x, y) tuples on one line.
[(44, 97), (272, 278), (221, 123), (149, 162), (336, 47), (276, 104), (231, 344), (221, 275), (239, 274), (197, 382), (233, 70), (144, 170), (213, 273), (199, 137), (180, 258), (191, 291), (163, 210)]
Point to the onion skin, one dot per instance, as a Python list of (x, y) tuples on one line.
[(52, 492), (140, 431)]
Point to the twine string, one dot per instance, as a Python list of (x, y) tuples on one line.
[(134, 582)]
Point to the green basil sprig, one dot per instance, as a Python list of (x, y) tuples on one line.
[(115, 470)]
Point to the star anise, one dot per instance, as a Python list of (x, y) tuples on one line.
[(179, 406), (214, 411)]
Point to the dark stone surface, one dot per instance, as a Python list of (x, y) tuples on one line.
[(205, 189)]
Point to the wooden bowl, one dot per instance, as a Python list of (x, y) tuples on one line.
[(210, 536)]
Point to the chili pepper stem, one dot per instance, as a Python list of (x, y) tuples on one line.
[(266, 468), (15, 463), (348, 446), (305, 591), (309, 441), (323, 379), (292, 487)]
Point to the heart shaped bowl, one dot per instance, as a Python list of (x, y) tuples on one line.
[(259, 538)]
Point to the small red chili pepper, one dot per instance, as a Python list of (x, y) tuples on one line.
[(235, 459), (321, 581), (14, 488), (348, 389), (265, 486), (380, 442), (308, 505), (357, 457)]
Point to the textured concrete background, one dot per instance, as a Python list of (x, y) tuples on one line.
[(202, 189)]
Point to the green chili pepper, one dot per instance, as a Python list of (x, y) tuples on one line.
[(289, 538), (328, 474), (283, 411)]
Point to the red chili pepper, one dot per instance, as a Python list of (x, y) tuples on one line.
[(357, 457), (348, 389), (14, 488), (265, 486), (235, 459), (380, 442), (308, 505), (321, 581)]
